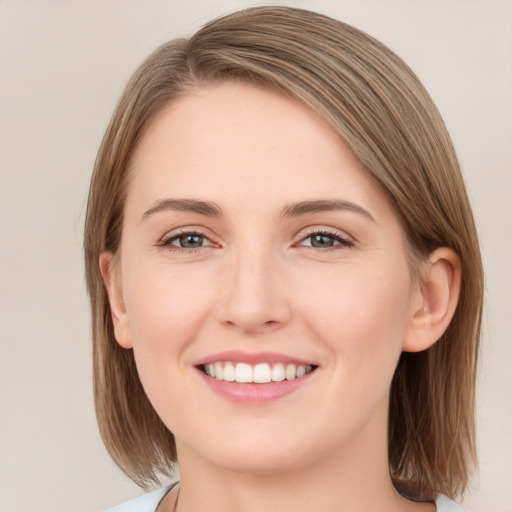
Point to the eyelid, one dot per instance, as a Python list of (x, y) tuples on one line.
[(340, 236), (343, 239), (166, 240)]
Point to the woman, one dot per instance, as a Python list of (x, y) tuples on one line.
[(284, 274)]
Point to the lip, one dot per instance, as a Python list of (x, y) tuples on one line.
[(238, 356), (252, 394)]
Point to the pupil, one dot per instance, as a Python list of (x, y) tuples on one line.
[(321, 241), (191, 241)]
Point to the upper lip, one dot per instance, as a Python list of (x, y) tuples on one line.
[(237, 356)]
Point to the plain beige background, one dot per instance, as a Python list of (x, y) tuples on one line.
[(62, 67)]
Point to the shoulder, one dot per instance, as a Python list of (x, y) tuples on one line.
[(145, 503), (444, 504)]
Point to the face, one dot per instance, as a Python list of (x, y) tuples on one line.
[(263, 283)]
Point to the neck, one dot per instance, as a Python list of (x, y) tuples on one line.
[(294, 491), (351, 478)]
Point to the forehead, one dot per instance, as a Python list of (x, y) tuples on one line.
[(234, 139)]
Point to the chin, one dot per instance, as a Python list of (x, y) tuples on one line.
[(259, 456), (260, 464)]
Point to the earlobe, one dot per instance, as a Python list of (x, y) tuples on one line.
[(111, 278), (435, 300)]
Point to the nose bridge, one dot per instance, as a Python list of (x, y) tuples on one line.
[(254, 296)]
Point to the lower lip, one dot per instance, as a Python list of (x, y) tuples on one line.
[(251, 393)]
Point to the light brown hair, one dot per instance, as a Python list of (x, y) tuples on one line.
[(371, 98)]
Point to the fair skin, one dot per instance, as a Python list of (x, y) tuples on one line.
[(252, 235)]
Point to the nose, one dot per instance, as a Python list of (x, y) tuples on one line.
[(254, 295)]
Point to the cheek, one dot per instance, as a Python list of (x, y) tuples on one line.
[(361, 313), (165, 310)]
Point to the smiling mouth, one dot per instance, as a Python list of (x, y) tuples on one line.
[(261, 373)]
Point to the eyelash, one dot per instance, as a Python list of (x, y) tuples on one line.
[(167, 241), (342, 242)]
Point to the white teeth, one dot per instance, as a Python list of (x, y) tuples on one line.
[(290, 372), (243, 372), (218, 371), (229, 372), (260, 373), (278, 372)]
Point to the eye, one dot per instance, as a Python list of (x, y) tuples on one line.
[(186, 240), (324, 240)]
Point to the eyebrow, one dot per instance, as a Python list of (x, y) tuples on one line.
[(305, 207), (207, 208), (211, 209)]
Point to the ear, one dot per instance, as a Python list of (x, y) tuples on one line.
[(112, 279), (434, 300)]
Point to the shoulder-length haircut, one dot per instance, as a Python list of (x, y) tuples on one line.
[(376, 104)]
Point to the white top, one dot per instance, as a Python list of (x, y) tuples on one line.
[(149, 503), (145, 503)]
